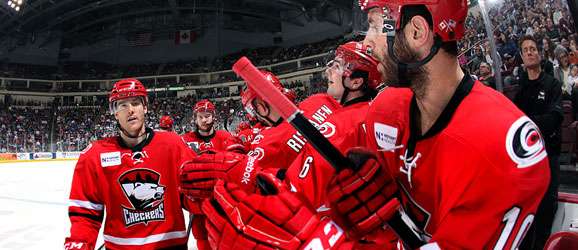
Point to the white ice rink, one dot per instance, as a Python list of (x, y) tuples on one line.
[(34, 205)]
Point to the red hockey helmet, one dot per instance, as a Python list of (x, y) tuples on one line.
[(243, 125), (289, 94), (448, 16), (124, 89), (166, 122), (356, 56), (204, 106), (248, 94)]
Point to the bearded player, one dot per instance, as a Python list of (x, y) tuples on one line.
[(207, 140), (470, 166), (205, 137)]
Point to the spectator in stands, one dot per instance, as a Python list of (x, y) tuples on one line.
[(566, 24), (486, 76), (572, 81), (562, 70), (551, 29), (489, 56), (540, 97), (480, 57), (508, 48), (572, 51)]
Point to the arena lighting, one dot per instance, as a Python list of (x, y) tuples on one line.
[(15, 4)]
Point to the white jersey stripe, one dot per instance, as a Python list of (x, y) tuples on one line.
[(146, 240), (86, 204)]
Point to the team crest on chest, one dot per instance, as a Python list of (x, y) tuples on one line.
[(524, 143), (141, 187)]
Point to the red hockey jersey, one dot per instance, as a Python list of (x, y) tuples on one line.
[(310, 172), (475, 179), (215, 142), (136, 188), (249, 134), (278, 146)]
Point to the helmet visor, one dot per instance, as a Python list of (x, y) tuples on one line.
[(250, 111), (373, 21)]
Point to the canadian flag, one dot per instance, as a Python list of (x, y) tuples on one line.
[(184, 36)]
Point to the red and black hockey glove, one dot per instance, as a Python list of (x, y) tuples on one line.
[(274, 219), (360, 198), (234, 144), (197, 178), (76, 244)]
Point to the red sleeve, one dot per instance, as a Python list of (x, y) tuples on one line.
[(500, 204), (309, 174), (86, 206), (271, 148)]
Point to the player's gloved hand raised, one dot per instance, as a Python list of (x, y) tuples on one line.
[(234, 144), (197, 178), (274, 219), (360, 198), (76, 244)]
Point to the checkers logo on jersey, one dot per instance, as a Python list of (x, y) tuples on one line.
[(524, 143), (141, 187)]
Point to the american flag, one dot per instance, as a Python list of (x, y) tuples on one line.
[(141, 39)]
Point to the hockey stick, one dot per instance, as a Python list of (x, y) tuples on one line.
[(190, 225), (227, 119), (257, 82)]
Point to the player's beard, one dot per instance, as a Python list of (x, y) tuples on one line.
[(417, 77), (206, 130)]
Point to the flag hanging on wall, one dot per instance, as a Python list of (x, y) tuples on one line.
[(141, 39), (184, 36)]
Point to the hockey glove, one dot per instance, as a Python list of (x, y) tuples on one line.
[(197, 178), (361, 197), (276, 220), (76, 244), (234, 144)]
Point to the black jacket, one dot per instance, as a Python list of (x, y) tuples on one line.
[(541, 100)]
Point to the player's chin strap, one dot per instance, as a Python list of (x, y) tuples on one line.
[(266, 117), (129, 135), (403, 66), (346, 91)]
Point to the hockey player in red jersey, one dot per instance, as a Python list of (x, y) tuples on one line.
[(205, 133), (274, 147), (247, 135), (130, 178), (166, 123), (352, 79), (207, 140), (470, 167)]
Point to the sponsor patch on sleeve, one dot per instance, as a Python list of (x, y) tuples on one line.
[(110, 159), (385, 135)]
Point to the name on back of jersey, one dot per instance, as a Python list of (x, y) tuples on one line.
[(297, 141)]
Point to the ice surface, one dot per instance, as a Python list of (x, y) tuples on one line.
[(34, 205)]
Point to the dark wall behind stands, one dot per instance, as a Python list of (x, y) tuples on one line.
[(162, 51)]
